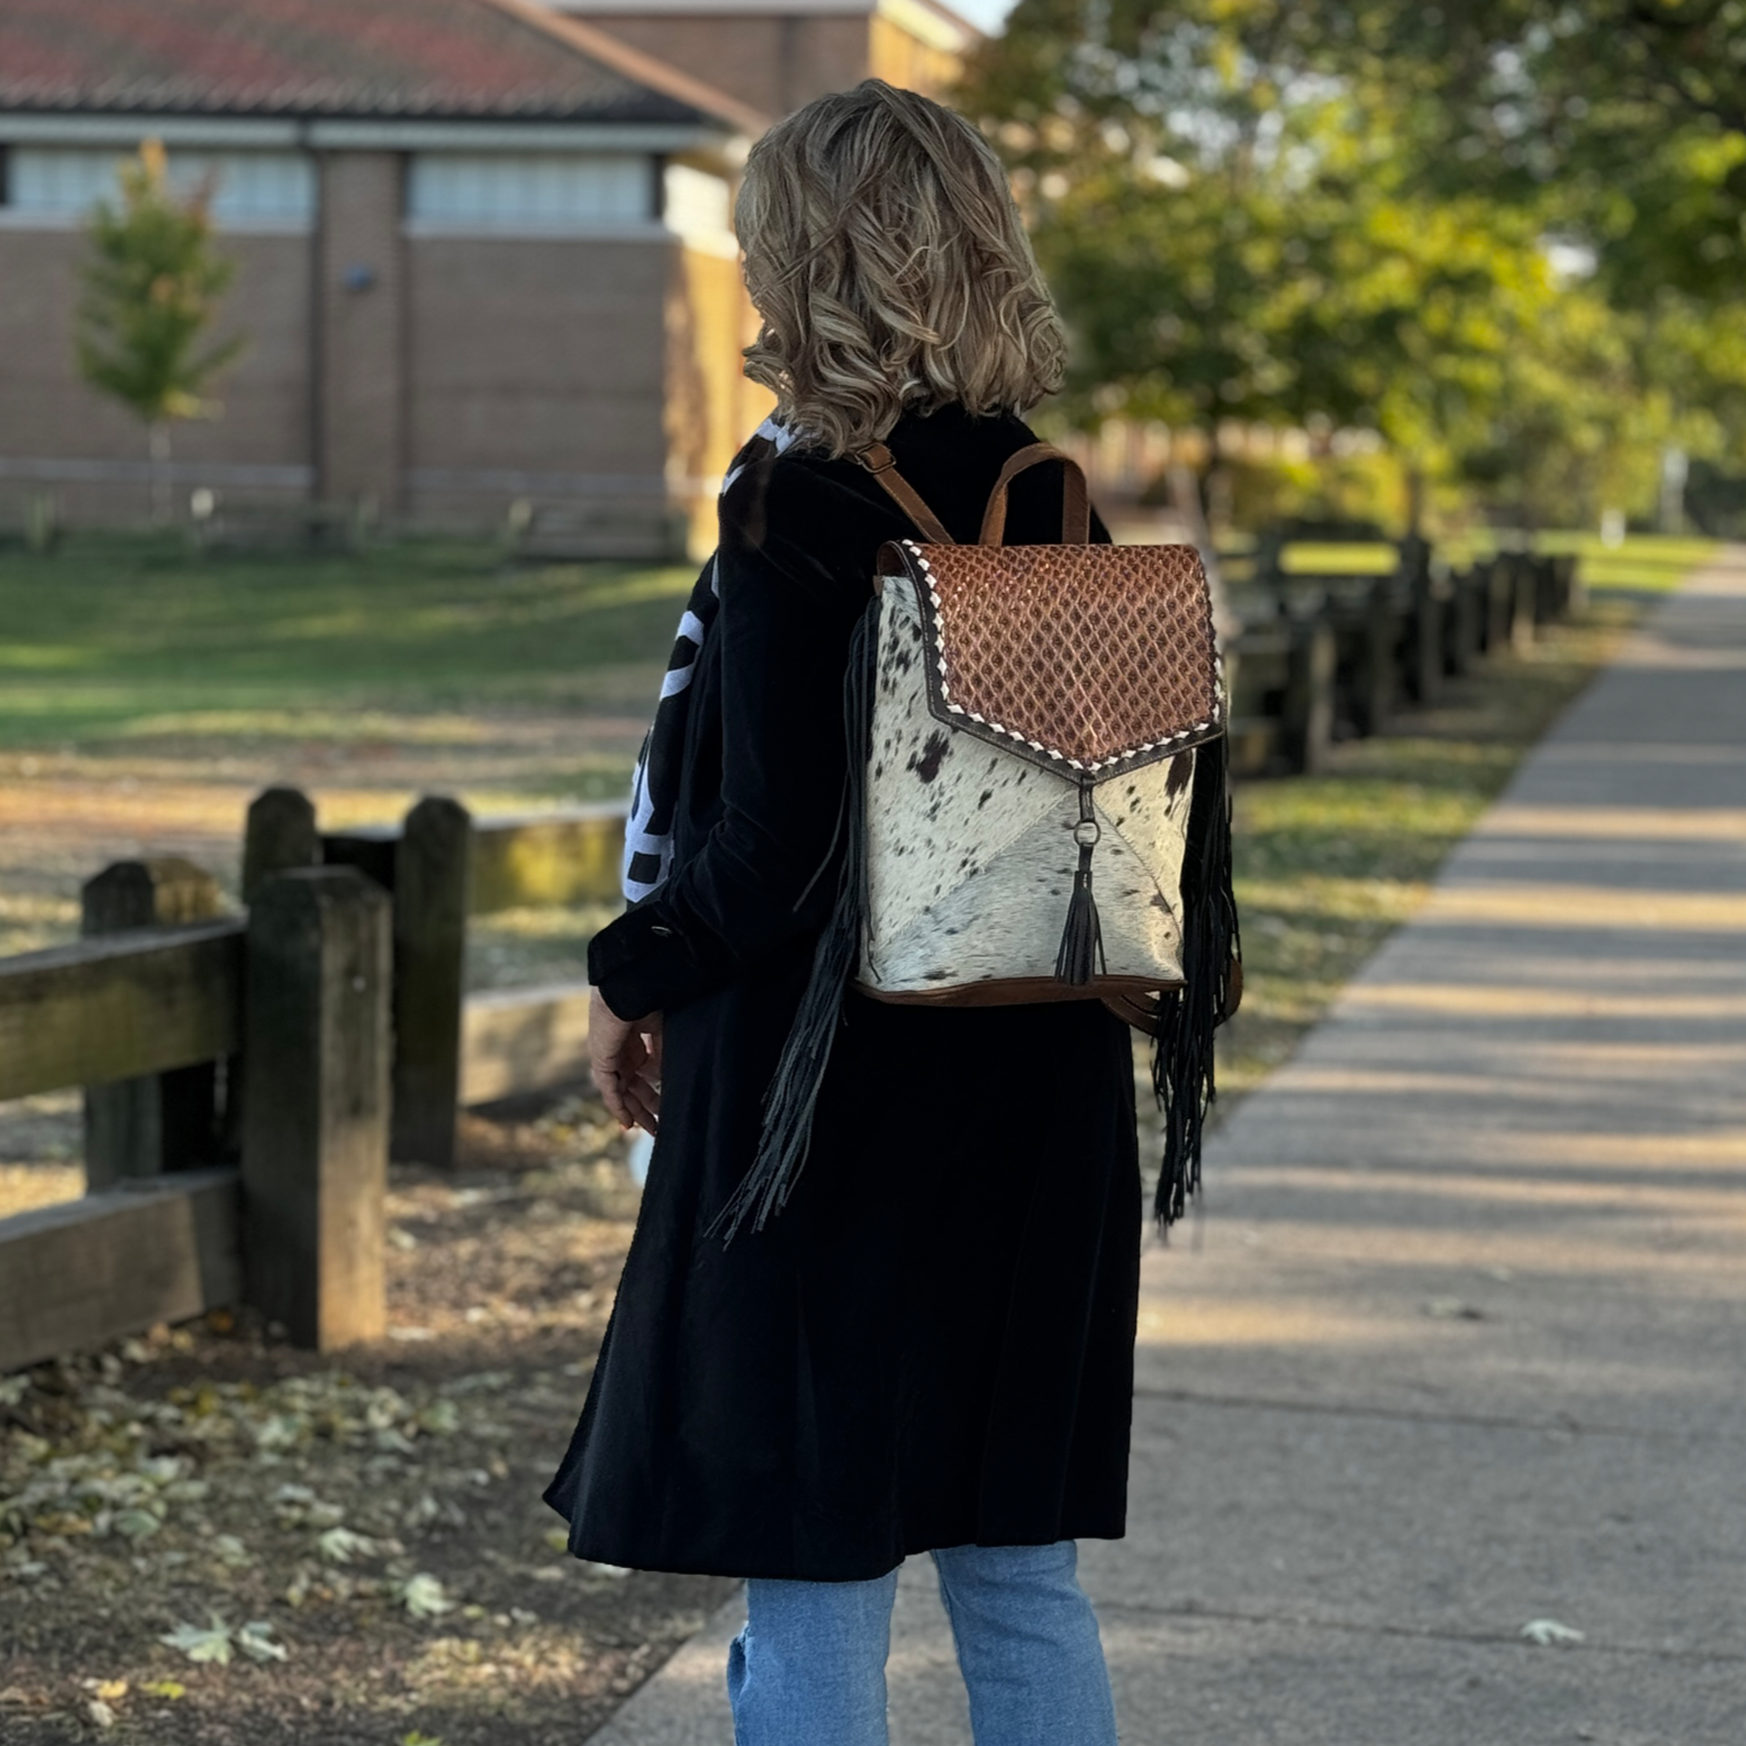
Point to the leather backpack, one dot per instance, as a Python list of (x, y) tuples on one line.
[(1037, 805)]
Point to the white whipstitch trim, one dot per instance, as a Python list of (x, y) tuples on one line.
[(1036, 745)]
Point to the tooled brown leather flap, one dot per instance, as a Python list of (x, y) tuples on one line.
[(1085, 659)]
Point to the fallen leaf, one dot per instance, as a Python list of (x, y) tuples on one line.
[(201, 1645), (165, 1688), (440, 1416), (342, 1545), (255, 1640), (100, 1713), (422, 1596), (1548, 1632)]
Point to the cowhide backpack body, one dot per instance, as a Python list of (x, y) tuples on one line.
[(1037, 719), (1037, 807)]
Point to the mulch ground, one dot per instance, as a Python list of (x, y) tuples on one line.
[(352, 1548)]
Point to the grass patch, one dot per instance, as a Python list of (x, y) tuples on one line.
[(1641, 563), (1648, 563), (112, 639), (1652, 563)]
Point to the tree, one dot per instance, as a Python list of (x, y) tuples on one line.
[(151, 292), (1256, 210)]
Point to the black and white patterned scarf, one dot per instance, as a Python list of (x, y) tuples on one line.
[(648, 834)]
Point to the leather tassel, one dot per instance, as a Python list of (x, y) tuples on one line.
[(794, 1089), (1081, 951), (1182, 1047), (1082, 937)]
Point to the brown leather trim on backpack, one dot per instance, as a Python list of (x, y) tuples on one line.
[(1021, 991), (878, 461), (1075, 502)]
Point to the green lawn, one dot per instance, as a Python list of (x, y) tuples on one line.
[(1640, 563), (1646, 562), (122, 640)]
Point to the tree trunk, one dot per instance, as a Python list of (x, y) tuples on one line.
[(160, 472)]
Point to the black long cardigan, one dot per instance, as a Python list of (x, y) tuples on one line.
[(933, 1343)]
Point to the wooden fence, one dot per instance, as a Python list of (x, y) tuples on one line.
[(1321, 657), (293, 999), (248, 1077)]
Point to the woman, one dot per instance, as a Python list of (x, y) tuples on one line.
[(931, 1347)]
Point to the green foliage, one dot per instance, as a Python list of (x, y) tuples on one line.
[(1348, 216), (1365, 487), (152, 287)]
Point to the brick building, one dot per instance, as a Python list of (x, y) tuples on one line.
[(779, 54), (484, 246)]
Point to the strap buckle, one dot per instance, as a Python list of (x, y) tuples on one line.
[(876, 458)]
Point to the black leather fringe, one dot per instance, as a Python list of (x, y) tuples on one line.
[(793, 1092), (1081, 949), (1082, 937), (1182, 1048)]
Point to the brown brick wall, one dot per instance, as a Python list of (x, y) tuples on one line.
[(539, 359), (774, 63), (48, 414), (361, 331)]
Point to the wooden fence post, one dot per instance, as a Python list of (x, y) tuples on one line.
[(1500, 602), (1422, 648), (1524, 601), (1572, 596), (1465, 627), (1551, 588), (280, 835), (1375, 687), (430, 941), (1308, 728), (315, 1119), (163, 1121)]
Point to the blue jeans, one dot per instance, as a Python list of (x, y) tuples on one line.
[(808, 1669)]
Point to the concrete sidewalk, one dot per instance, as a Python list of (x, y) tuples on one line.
[(1462, 1341)]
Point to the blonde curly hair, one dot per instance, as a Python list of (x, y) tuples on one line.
[(890, 270)]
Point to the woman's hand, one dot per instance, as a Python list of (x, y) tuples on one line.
[(626, 1058)]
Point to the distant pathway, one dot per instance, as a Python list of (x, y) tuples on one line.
[(1461, 1344)]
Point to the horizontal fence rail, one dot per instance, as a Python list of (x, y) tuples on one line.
[(119, 1006), (155, 1250)]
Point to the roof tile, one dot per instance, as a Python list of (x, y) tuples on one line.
[(403, 58)]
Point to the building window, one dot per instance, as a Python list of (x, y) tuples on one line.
[(554, 191), (248, 187)]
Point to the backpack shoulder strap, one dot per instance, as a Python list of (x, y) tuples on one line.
[(878, 461), (1075, 502)]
